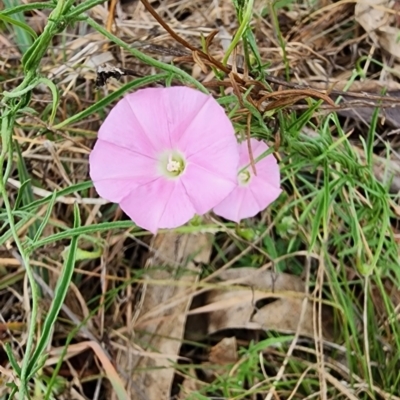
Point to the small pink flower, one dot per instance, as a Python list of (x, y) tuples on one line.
[(253, 193), (165, 155)]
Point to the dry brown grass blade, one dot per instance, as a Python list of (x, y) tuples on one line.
[(110, 18), (298, 93), (216, 63), (249, 149), (154, 13), (282, 103), (108, 367), (158, 327), (367, 91)]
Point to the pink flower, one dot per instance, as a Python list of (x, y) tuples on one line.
[(165, 155), (253, 193)]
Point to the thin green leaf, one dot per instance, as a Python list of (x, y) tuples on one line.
[(104, 226), (14, 390), (11, 358), (27, 196), (21, 194), (32, 58), (83, 7), (45, 219), (18, 93), (6, 236), (55, 94), (27, 7), (248, 12), (110, 98), (20, 24), (315, 228), (60, 293), (23, 33), (59, 193)]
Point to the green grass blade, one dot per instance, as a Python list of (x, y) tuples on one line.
[(56, 97), (11, 358), (60, 293), (23, 32), (101, 227), (21, 43), (21, 194), (34, 55), (27, 7), (45, 219), (59, 193), (6, 236), (83, 7), (27, 196), (110, 98)]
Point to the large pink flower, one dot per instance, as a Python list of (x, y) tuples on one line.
[(164, 155), (253, 193)]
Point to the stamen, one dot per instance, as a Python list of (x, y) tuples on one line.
[(244, 177), (172, 165)]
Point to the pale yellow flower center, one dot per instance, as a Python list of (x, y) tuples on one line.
[(244, 177), (173, 165)]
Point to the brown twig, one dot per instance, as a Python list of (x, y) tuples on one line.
[(186, 44), (298, 92), (110, 19), (250, 150), (201, 58)]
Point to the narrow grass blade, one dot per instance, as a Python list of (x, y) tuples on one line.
[(64, 192), (104, 226), (59, 297), (18, 24), (27, 194), (23, 32), (27, 7), (13, 361), (83, 7), (6, 236), (45, 219), (110, 98), (56, 97), (21, 193)]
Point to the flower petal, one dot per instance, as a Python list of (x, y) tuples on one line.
[(182, 106), (115, 170), (122, 128), (208, 128), (205, 188), (257, 148), (267, 170), (164, 113), (159, 204), (221, 159), (240, 204), (246, 201), (264, 193)]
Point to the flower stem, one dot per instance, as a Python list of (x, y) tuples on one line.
[(241, 30)]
